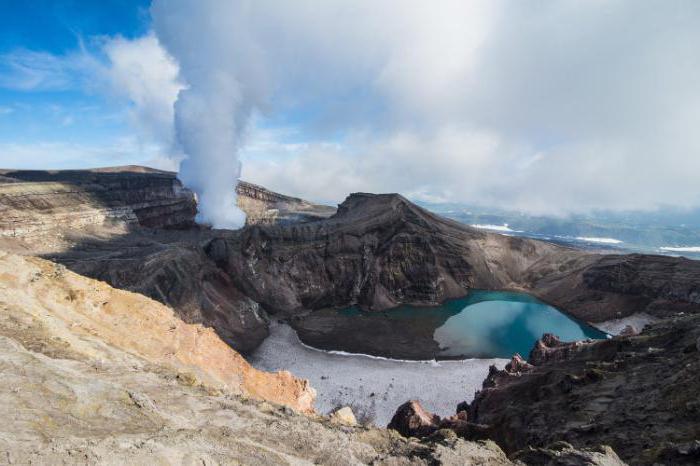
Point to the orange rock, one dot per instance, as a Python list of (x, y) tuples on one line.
[(78, 309)]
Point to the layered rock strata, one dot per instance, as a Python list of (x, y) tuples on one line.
[(266, 207), (35, 203)]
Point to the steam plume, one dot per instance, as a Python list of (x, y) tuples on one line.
[(212, 112)]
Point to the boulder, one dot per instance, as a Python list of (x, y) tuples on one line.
[(412, 420), (344, 416)]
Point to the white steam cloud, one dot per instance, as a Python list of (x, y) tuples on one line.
[(218, 64), (550, 107), (141, 71)]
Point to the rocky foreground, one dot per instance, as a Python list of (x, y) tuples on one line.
[(637, 394), (87, 379), (94, 375)]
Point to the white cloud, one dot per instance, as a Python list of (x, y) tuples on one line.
[(547, 107), (141, 72), (134, 74)]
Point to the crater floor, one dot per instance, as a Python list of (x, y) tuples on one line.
[(374, 387)]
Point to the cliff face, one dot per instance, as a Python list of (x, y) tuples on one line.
[(34, 203), (171, 267), (377, 251), (601, 287), (265, 207), (638, 394), (134, 228)]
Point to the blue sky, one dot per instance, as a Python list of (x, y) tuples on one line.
[(545, 107), (46, 102)]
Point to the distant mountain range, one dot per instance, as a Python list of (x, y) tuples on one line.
[(669, 232)]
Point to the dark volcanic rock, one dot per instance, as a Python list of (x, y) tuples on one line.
[(518, 365), (411, 420), (171, 267), (549, 348), (597, 288), (637, 394), (379, 251)]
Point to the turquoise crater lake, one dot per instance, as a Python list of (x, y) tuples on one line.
[(484, 324), (499, 324)]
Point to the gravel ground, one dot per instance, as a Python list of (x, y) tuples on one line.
[(373, 387)]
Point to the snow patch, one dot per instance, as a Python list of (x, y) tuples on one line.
[(594, 239), (488, 226), (680, 248)]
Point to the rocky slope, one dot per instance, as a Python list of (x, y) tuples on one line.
[(94, 375), (55, 312), (638, 394), (134, 228)]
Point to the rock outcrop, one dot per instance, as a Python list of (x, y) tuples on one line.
[(265, 207), (563, 454), (637, 394), (40, 203), (412, 420), (344, 416)]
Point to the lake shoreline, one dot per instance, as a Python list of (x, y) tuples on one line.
[(373, 386), (484, 324)]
